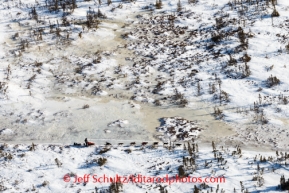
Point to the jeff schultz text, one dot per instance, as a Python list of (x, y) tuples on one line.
[(141, 179)]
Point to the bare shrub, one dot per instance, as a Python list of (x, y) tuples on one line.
[(246, 58), (101, 161), (218, 113), (287, 47), (285, 100), (158, 103), (192, 1), (246, 71), (33, 14), (104, 150), (58, 163), (216, 37), (116, 187), (212, 88), (45, 183), (232, 61), (159, 4), (224, 96), (92, 19), (85, 106), (284, 185), (272, 81)]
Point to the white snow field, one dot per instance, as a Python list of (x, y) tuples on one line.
[(155, 71), (23, 170)]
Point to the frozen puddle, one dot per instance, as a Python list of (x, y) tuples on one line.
[(65, 120)]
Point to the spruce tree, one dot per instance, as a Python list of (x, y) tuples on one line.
[(181, 171), (179, 6), (159, 4)]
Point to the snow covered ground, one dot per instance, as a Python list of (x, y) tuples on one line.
[(116, 71), (23, 170), (207, 56)]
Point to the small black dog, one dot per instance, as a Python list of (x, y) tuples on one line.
[(77, 144)]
